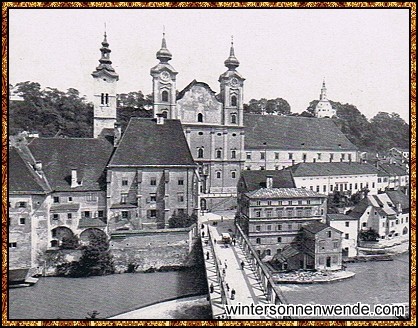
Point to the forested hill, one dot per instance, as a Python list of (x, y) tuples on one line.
[(52, 112)]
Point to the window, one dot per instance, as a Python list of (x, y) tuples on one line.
[(234, 119), (86, 214), (153, 182), (379, 180), (299, 202), (331, 157), (317, 188), (233, 100), (258, 228), (319, 156), (304, 157), (269, 227), (289, 212), (180, 182), (70, 199), (308, 212), (397, 221), (329, 234), (290, 155), (233, 154), (373, 185), (279, 213), (180, 198), (55, 216), (91, 197), (22, 221), (200, 133), (106, 99), (349, 157), (257, 214), (13, 245), (258, 241), (218, 175), (164, 96), (218, 153), (356, 186), (268, 252), (347, 236), (22, 204), (268, 213), (335, 244), (342, 157), (233, 174), (102, 100), (331, 187), (125, 214), (200, 117), (279, 227), (347, 224), (289, 226), (153, 213), (69, 216), (153, 198), (123, 198), (56, 199), (124, 182), (258, 203), (248, 155), (262, 155), (269, 202), (276, 155), (262, 168), (299, 213), (324, 188), (200, 153), (279, 239), (164, 113), (100, 213)]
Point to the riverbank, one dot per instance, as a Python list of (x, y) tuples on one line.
[(311, 277), (188, 308)]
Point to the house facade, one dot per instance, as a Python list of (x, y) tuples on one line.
[(392, 177), (349, 226)]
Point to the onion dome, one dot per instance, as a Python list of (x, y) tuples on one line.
[(164, 55), (232, 62)]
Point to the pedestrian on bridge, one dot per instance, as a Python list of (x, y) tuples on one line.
[(242, 265), (203, 234), (207, 255), (225, 264), (227, 287), (232, 294), (211, 287)]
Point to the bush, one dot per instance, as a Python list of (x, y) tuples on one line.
[(182, 220)]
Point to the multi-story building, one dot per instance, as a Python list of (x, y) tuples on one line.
[(151, 176), (399, 155), (213, 125), (349, 226), (276, 142), (326, 178), (272, 217), (392, 177)]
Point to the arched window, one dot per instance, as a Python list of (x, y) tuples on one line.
[(234, 119), (233, 154), (268, 252), (164, 114), (164, 96), (218, 174), (233, 100), (233, 174), (200, 117), (258, 241), (200, 153), (219, 153)]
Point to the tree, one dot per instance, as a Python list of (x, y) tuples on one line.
[(181, 220), (132, 104), (277, 106), (70, 242)]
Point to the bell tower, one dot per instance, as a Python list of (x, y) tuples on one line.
[(164, 84), (105, 81), (232, 84)]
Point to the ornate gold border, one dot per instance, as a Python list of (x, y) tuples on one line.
[(412, 9)]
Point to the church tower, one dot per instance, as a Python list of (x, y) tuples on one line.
[(164, 84), (232, 83), (105, 79), (324, 107)]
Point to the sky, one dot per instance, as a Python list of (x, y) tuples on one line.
[(363, 54)]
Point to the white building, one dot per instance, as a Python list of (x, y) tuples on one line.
[(349, 226), (324, 107)]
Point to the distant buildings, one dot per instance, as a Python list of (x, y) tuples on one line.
[(324, 108)]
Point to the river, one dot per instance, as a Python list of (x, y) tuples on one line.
[(71, 298)]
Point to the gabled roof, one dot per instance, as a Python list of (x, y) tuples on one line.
[(22, 178), (398, 197), (293, 133), (146, 143), (392, 170), (316, 227), (60, 155), (358, 210), (283, 193), (333, 168), (257, 179), (191, 85)]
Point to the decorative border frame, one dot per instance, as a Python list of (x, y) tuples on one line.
[(4, 139)]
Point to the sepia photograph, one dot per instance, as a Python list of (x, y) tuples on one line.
[(225, 164)]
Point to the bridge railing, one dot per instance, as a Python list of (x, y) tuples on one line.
[(273, 293)]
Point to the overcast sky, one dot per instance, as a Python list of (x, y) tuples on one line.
[(362, 53)]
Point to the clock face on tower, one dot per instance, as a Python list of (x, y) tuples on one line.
[(234, 82), (165, 76)]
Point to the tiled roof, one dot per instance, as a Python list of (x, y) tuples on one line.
[(257, 179), (65, 207), (315, 227), (283, 193), (60, 155), (22, 178), (397, 197), (326, 169), (392, 169), (147, 143), (293, 133), (287, 252), (359, 209), (340, 217)]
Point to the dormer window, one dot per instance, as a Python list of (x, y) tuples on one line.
[(200, 117), (233, 100), (164, 96)]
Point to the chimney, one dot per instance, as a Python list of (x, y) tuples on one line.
[(269, 181), (38, 166), (74, 179), (160, 119)]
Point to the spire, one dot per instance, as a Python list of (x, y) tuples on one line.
[(232, 62), (164, 55), (105, 62), (323, 95)]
